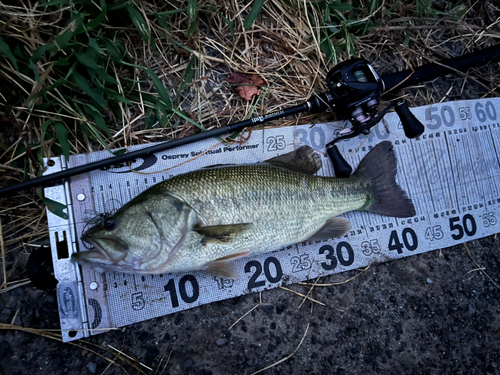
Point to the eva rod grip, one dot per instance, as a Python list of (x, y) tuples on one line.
[(412, 127), (341, 167)]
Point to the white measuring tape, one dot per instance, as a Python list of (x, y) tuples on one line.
[(452, 174)]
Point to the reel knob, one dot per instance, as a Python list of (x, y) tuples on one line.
[(412, 127), (340, 166)]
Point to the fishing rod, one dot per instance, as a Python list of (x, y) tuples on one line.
[(354, 92)]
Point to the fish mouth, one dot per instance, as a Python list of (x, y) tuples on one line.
[(110, 248), (96, 245)]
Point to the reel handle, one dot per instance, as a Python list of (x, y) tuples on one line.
[(412, 127), (340, 166)]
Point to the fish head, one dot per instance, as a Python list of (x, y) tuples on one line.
[(137, 238)]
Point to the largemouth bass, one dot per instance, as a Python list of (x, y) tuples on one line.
[(202, 220)]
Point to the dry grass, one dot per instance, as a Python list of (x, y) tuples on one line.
[(285, 47)]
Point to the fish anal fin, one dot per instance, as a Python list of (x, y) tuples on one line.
[(333, 228), (228, 258), (222, 233), (303, 160)]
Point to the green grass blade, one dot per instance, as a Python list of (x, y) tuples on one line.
[(115, 95), (407, 40), (90, 62), (87, 60), (106, 77), (96, 134), (254, 13), (93, 44), (113, 47), (192, 12), (230, 24), (54, 2), (55, 207), (96, 22), (62, 137), (139, 22), (162, 114), (185, 117), (98, 119), (5, 49), (162, 91), (163, 23), (73, 28), (84, 85), (150, 119), (40, 52), (340, 6), (35, 71)]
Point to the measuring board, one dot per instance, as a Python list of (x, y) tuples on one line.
[(451, 173)]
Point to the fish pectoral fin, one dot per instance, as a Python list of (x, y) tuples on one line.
[(333, 228), (303, 159), (223, 267), (222, 233)]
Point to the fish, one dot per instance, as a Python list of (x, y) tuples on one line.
[(206, 219)]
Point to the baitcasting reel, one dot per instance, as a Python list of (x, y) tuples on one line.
[(354, 94)]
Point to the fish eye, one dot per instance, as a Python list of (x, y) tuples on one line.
[(109, 223)]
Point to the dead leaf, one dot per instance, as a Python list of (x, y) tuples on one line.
[(248, 84), (246, 92), (257, 80)]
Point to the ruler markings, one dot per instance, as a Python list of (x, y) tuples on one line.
[(494, 146), (476, 159), (470, 186), (424, 168), (421, 183), (492, 185), (453, 173), (443, 197), (494, 166), (440, 165), (493, 136), (485, 165)]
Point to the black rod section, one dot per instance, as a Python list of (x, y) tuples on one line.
[(430, 71), (57, 177)]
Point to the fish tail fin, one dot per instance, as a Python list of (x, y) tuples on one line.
[(378, 171)]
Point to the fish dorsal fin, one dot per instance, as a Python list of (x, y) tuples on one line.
[(217, 166), (333, 228), (222, 233), (223, 267), (303, 159)]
